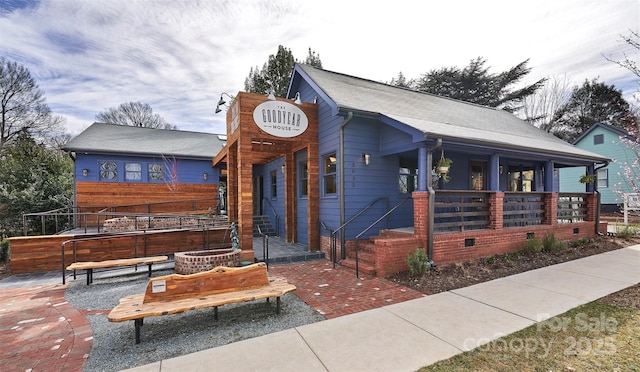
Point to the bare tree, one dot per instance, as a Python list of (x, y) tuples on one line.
[(540, 109), (23, 105), (134, 114)]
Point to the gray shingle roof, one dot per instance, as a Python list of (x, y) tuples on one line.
[(128, 140), (439, 116)]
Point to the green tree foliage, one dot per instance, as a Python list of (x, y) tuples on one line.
[(275, 74), (135, 114), (33, 178), (591, 103), (23, 106), (402, 81), (474, 83)]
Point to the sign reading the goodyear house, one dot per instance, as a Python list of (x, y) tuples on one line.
[(280, 119)]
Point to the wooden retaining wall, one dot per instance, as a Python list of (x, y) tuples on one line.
[(34, 254)]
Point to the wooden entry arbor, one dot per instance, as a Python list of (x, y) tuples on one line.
[(250, 143)]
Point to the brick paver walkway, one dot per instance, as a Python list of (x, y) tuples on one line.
[(40, 331), (337, 292)]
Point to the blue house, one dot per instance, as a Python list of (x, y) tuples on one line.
[(360, 173), (605, 140), (118, 165)]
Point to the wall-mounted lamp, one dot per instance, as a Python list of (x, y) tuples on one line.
[(222, 102), (367, 158), (282, 168), (205, 176), (85, 172), (297, 99), (271, 95), (501, 169)]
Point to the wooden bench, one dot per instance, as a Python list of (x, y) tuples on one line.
[(90, 265), (173, 294)]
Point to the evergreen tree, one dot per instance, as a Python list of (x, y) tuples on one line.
[(275, 74), (591, 103), (475, 84), (33, 178)]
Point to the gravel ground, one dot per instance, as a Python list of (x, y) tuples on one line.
[(170, 336)]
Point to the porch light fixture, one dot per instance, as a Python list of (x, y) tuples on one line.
[(282, 169), (222, 102), (297, 99), (501, 169), (271, 95), (205, 176), (367, 158), (85, 172)]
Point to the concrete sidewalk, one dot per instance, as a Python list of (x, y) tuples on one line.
[(416, 333)]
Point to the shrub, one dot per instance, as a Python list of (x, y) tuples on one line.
[(579, 243), (418, 262), (4, 250), (627, 232), (550, 243), (532, 246)]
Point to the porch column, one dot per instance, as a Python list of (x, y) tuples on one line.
[(548, 176), (590, 187), (291, 198), (494, 173), (496, 215), (424, 173), (420, 214), (245, 201), (550, 208)]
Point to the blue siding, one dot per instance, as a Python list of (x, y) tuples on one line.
[(277, 202), (188, 170), (612, 148)]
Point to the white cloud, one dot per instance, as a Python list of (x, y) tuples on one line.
[(179, 55)]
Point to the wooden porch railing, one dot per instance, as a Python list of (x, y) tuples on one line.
[(572, 207), (458, 211), (523, 209)]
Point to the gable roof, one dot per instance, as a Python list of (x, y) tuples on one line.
[(616, 131), (437, 116), (128, 140)]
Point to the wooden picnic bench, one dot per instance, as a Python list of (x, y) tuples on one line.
[(90, 265), (173, 294)]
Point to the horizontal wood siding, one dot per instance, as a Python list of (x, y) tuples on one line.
[(102, 194), (43, 253)]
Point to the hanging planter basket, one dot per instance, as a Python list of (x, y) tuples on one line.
[(443, 164)]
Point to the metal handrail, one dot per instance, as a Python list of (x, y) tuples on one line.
[(371, 226), (273, 210), (334, 233), (73, 213), (265, 246)]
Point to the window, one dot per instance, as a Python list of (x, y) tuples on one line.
[(598, 139), (329, 167), (520, 179), (408, 180), (603, 178), (156, 172), (478, 179), (274, 184), (133, 172), (304, 176), (108, 170)]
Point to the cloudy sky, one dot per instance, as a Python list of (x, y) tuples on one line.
[(180, 55)]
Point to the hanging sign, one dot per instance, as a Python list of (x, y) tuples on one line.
[(280, 119)]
